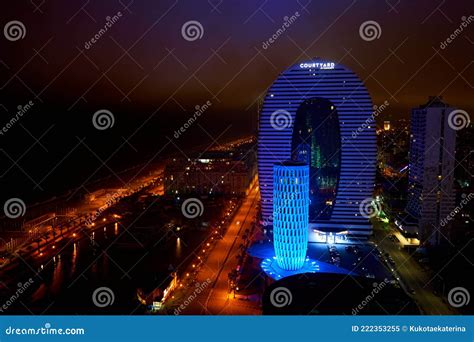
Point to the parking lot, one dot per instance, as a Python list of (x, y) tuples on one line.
[(364, 259)]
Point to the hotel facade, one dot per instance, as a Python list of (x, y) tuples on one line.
[(320, 113)]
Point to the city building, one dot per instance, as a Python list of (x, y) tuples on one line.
[(215, 172), (320, 113), (290, 210), (392, 156), (431, 172), (392, 162), (461, 228)]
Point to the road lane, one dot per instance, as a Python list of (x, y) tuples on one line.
[(220, 262), (413, 275)]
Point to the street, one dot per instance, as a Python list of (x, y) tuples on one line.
[(216, 298), (412, 275)]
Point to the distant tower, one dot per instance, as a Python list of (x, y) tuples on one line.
[(290, 213), (431, 176)]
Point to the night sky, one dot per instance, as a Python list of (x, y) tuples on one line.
[(151, 78)]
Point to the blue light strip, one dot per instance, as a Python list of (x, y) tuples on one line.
[(272, 269)]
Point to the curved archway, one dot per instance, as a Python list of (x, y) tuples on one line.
[(316, 141)]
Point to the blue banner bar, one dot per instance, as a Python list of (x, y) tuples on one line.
[(237, 328)]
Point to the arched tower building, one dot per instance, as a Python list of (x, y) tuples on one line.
[(320, 113)]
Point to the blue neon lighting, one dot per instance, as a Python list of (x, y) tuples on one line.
[(290, 211)]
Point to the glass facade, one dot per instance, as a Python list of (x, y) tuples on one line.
[(316, 141)]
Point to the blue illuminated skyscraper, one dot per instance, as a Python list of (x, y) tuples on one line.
[(320, 113), (290, 210)]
